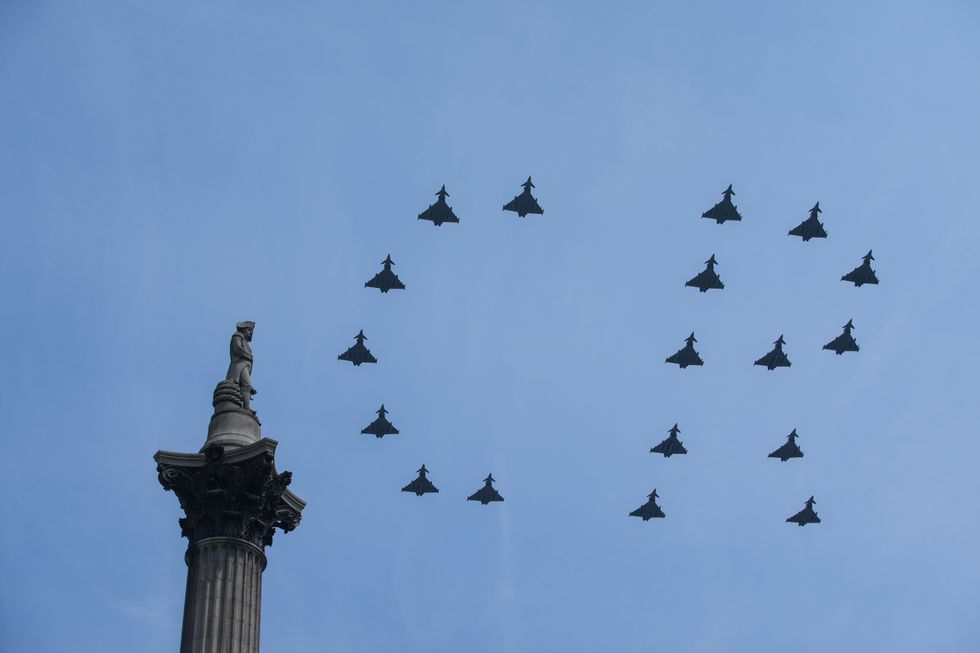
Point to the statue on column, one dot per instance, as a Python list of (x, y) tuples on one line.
[(240, 369)]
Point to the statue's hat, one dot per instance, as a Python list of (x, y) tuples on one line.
[(243, 325)]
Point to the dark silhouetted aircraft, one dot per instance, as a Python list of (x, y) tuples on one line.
[(421, 485), (650, 509), (789, 449), (671, 445), (863, 273), (707, 278), (358, 353), (486, 494), (843, 342), (381, 426), (525, 202), (386, 279), (805, 516), (811, 227), (723, 210), (440, 211), (687, 355), (776, 357)]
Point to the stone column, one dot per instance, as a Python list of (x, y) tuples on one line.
[(233, 500), (224, 595)]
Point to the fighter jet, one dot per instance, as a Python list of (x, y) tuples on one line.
[(789, 450), (776, 357), (486, 494), (687, 355), (525, 202), (811, 227), (843, 342), (650, 509), (381, 426), (440, 211), (358, 353), (386, 279), (805, 516), (723, 210), (421, 485), (707, 278), (863, 273), (671, 445)]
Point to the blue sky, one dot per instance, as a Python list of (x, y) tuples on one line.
[(169, 169)]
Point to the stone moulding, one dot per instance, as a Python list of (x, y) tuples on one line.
[(231, 492)]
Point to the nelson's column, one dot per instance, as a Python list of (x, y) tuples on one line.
[(233, 500)]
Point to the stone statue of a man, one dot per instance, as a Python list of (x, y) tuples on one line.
[(240, 370)]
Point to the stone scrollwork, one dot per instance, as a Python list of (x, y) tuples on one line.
[(241, 499)]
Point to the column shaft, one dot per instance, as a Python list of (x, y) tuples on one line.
[(224, 594)]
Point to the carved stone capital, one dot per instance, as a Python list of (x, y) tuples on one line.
[(234, 492)]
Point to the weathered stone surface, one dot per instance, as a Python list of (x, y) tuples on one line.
[(222, 608), (234, 494), (231, 425), (233, 500), (240, 367)]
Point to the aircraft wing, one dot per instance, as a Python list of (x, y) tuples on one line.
[(485, 495), (438, 214)]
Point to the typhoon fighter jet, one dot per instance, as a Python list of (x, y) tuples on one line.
[(789, 449), (386, 279), (525, 202), (776, 357), (650, 509), (843, 342), (863, 273), (723, 210), (671, 444), (805, 516), (358, 353), (486, 494), (707, 278), (811, 227), (380, 427), (687, 355), (440, 211), (421, 485)]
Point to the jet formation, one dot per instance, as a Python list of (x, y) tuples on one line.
[(650, 509), (811, 227), (670, 444), (723, 210), (805, 516), (776, 357), (525, 202), (380, 427), (863, 273), (843, 342), (487, 493), (789, 449), (386, 279), (440, 211), (687, 355), (421, 485), (707, 278), (358, 353)]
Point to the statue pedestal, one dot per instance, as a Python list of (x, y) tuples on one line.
[(233, 426)]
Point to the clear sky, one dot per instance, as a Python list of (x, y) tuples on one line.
[(170, 168)]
